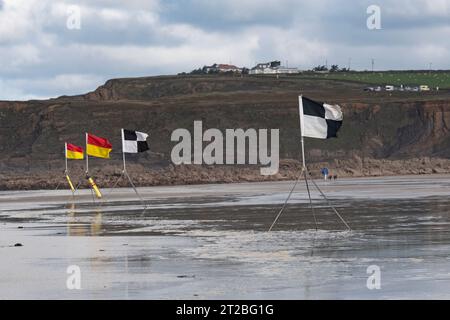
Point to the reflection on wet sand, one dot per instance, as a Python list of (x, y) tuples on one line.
[(77, 228), (216, 245)]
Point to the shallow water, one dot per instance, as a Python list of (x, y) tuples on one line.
[(211, 242)]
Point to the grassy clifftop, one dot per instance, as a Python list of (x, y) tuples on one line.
[(433, 79)]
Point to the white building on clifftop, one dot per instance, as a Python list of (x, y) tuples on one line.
[(273, 67)]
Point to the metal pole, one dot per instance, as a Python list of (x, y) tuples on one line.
[(123, 152), (65, 156), (300, 101), (87, 156), (303, 165), (106, 196), (287, 200), (65, 161), (329, 203), (303, 153), (305, 171), (135, 190)]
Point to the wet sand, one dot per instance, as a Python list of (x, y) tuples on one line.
[(211, 242)]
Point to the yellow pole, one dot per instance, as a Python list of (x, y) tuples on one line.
[(67, 170), (94, 187), (70, 183)]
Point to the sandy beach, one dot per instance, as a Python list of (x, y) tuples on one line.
[(211, 242)]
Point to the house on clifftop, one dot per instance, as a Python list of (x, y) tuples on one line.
[(222, 68), (273, 67)]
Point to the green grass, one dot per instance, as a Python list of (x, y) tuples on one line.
[(433, 79)]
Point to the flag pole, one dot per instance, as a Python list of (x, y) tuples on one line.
[(65, 156), (126, 173), (286, 201), (66, 172), (300, 101), (302, 172), (304, 168), (307, 176), (124, 170), (87, 155), (92, 184), (123, 152)]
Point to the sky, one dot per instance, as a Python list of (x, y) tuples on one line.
[(50, 48)]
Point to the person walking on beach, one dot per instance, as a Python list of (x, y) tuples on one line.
[(325, 173)]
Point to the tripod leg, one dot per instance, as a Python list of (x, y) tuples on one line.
[(117, 182), (135, 190), (287, 200), (310, 200), (78, 185), (330, 204), (114, 186)]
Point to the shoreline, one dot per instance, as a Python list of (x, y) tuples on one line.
[(218, 190), (188, 175)]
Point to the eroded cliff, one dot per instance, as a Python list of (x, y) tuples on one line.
[(383, 133)]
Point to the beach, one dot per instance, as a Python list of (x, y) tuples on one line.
[(211, 241)]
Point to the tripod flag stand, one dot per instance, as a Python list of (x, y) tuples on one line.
[(75, 153), (132, 142), (320, 121), (100, 148)]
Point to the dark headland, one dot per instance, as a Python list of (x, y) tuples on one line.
[(384, 133)]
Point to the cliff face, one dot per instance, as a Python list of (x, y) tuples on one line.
[(378, 127)]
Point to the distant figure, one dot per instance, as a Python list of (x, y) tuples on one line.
[(325, 173), (335, 177)]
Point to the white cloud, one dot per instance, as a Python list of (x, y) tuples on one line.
[(415, 8), (68, 82), (18, 57), (437, 52), (10, 90), (20, 88), (41, 57), (16, 20), (198, 48)]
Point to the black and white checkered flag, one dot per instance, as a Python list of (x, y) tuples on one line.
[(319, 120), (134, 141)]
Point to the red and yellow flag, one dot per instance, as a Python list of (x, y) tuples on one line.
[(74, 152), (98, 147)]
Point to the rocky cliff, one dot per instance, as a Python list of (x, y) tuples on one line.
[(383, 133)]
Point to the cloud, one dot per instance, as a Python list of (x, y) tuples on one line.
[(21, 89), (41, 57), (418, 8), (228, 14)]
